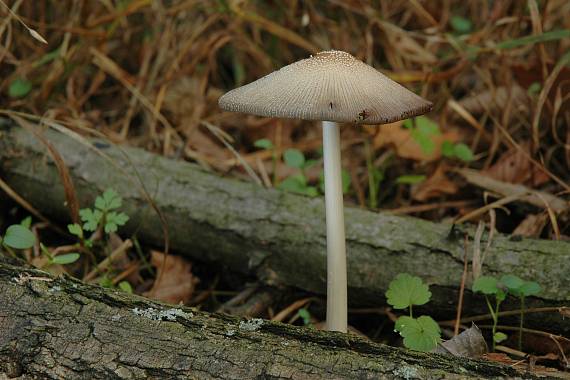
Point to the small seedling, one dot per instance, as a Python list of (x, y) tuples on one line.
[(420, 334), (305, 316), (458, 150), (298, 183), (63, 259), (490, 286), (424, 131), (103, 216), (521, 289)]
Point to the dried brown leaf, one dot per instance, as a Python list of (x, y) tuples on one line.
[(175, 282)]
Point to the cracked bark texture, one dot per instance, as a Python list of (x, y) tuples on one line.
[(59, 328), (277, 236)]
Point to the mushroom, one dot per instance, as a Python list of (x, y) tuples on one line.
[(333, 87)]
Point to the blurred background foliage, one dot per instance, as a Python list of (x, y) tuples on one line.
[(149, 73)]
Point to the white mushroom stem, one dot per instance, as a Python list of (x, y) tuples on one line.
[(336, 250)]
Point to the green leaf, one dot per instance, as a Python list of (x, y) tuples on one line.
[(447, 149), (305, 316), (406, 290), (534, 88), (295, 183), (486, 285), (422, 334), (110, 200), (311, 191), (19, 237), (499, 337), (126, 287), (67, 258), (529, 40), (19, 88), (460, 24), (512, 282), (529, 288), (263, 144), (427, 127), (294, 158), (463, 152), (410, 179), (91, 218), (106, 282), (114, 220), (26, 222), (75, 229)]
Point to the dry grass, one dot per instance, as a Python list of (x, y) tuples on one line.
[(148, 73)]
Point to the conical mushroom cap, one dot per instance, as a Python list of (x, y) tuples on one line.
[(331, 85)]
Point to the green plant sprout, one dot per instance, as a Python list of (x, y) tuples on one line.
[(521, 289), (101, 217), (424, 130), (420, 334), (305, 316), (298, 183), (509, 283), (63, 259)]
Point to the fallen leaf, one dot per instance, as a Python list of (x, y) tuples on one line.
[(405, 145), (515, 167), (532, 225), (469, 344), (174, 282), (436, 185)]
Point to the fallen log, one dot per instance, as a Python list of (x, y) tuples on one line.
[(277, 236), (61, 328)]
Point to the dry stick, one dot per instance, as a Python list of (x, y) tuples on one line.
[(461, 289), (483, 317), (530, 331), (103, 264), (22, 202)]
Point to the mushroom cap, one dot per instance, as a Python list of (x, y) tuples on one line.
[(331, 85)]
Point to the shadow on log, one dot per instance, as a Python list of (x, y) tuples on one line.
[(277, 236), (61, 328)]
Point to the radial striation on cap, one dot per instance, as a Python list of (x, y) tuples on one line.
[(331, 85)]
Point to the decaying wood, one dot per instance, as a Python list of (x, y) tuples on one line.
[(61, 328), (277, 236)]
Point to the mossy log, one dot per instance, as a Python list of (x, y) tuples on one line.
[(276, 236), (59, 328)]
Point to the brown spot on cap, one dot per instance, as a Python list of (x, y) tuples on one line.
[(307, 88)]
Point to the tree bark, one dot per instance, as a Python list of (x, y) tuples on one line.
[(277, 236), (60, 328)]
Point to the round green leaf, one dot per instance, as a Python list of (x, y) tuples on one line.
[(19, 237), (486, 285), (263, 144), (463, 152), (406, 290), (295, 184), (460, 24), (512, 282), (125, 286), (499, 337), (530, 288), (422, 334), (67, 258), (447, 149), (19, 88), (294, 158)]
